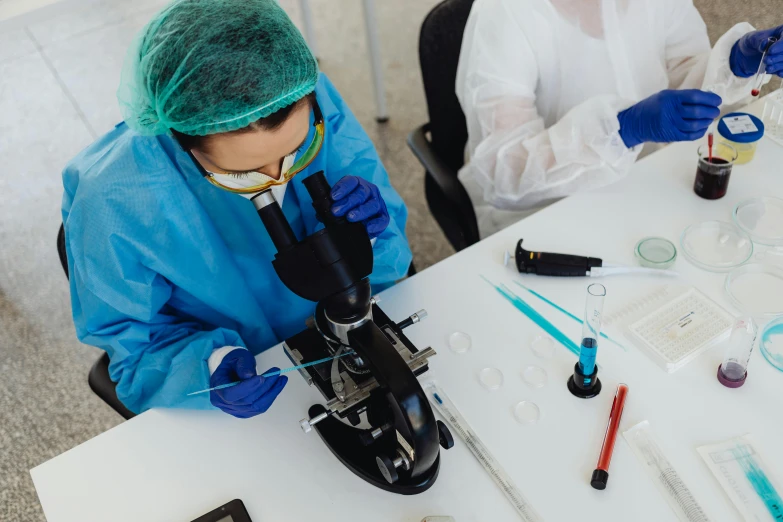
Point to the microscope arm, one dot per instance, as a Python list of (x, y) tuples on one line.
[(413, 417)]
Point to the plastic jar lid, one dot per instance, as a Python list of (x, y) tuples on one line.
[(527, 412), (656, 252), (742, 134), (460, 342), (534, 376), (543, 347), (762, 219), (716, 246), (491, 378)]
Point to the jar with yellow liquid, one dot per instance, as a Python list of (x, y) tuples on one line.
[(742, 131)]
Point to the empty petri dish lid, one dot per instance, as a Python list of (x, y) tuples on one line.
[(762, 219), (534, 376), (656, 252), (756, 289), (716, 246), (527, 412), (771, 343), (460, 342), (543, 347), (491, 378)]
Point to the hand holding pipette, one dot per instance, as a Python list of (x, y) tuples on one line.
[(758, 81), (274, 372), (756, 54), (253, 394)]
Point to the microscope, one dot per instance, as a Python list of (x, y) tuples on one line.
[(374, 367)]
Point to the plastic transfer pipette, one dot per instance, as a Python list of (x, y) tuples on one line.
[(451, 414), (521, 305), (663, 474), (566, 312), (758, 80), (273, 373)]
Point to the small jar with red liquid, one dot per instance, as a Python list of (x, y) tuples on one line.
[(712, 175)]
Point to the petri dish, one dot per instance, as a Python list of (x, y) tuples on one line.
[(655, 252), (534, 376), (771, 344), (716, 246), (762, 219), (543, 347), (491, 378), (756, 289), (460, 342), (527, 412)]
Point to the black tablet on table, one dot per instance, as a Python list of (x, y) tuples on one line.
[(234, 511)]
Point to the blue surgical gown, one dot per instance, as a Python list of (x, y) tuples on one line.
[(165, 267)]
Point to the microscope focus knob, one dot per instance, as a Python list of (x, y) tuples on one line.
[(387, 468), (445, 438), (307, 424)]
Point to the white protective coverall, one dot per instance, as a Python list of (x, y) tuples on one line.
[(541, 83)]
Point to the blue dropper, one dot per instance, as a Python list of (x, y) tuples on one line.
[(275, 372), (566, 312)]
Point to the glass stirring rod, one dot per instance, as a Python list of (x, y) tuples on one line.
[(759, 79)]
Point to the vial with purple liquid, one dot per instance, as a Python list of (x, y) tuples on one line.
[(734, 369)]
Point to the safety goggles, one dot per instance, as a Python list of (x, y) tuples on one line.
[(254, 182)]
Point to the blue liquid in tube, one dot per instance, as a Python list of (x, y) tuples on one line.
[(587, 355)]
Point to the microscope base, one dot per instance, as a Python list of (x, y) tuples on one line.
[(344, 442)]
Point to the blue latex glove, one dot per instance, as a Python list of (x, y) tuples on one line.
[(359, 200), (746, 53), (254, 395), (670, 115)]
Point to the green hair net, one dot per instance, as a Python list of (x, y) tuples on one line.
[(207, 66)]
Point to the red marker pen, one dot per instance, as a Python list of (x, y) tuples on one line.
[(601, 473)]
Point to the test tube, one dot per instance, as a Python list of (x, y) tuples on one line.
[(584, 383), (591, 328), (759, 78), (734, 369)]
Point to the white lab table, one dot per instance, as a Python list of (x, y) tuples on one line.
[(174, 465)]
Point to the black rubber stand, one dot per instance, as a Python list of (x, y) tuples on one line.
[(584, 386)]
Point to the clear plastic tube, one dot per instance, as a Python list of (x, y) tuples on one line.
[(458, 424), (591, 327), (734, 368), (663, 474), (758, 81)]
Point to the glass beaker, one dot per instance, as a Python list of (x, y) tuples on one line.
[(712, 177)]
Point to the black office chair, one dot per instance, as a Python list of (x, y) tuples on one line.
[(98, 378), (442, 154)]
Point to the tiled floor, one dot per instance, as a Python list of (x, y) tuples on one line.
[(58, 77)]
